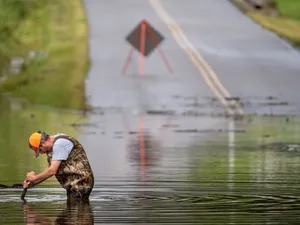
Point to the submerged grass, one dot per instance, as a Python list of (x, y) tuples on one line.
[(58, 35), (273, 129)]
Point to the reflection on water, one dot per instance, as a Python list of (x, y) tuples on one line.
[(72, 212), (143, 149), (147, 172), (76, 213)]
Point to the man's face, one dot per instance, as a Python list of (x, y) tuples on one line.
[(45, 146)]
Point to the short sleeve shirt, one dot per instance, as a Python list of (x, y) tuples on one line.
[(61, 148)]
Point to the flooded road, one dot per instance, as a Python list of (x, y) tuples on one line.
[(160, 169), (164, 147)]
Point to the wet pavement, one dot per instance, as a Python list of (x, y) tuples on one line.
[(164, 147)]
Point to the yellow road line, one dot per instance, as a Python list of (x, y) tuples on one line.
[(205, 69), (208, 81)]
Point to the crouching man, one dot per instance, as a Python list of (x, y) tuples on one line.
[(67, 160)]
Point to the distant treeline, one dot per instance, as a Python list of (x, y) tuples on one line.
[(12, 13)]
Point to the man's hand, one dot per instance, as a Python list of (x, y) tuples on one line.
[(30, 176), (26, 184), (35, 179)]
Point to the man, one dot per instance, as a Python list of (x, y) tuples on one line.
[(67, 160)]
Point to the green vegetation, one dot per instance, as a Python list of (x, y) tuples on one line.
[(55, 31), (289, 8), (287, 24), (12, 13)]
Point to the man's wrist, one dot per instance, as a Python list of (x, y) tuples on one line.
[(31, 184)]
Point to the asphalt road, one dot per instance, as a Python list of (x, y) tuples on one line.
[(213, 49), (252, 63), (216, 54)]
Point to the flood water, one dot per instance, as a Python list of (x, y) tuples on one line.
[(157, 168)]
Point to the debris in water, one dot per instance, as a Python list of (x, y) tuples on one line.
[(232, 98), (207, 131), (160, 112), (2, 186)]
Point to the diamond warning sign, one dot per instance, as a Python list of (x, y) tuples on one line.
[(144, 38)]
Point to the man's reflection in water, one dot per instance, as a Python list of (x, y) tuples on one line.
[(75, 212)]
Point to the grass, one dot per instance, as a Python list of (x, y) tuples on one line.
[(289, 8), (56, 77), (286, 25)]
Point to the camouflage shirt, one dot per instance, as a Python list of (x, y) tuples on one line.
[(74, 174)]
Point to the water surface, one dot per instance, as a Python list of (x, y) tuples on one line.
[(157, 168)]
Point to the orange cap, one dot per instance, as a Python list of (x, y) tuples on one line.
[(34, 142)]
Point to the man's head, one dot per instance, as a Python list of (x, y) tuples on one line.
[(40, 142)]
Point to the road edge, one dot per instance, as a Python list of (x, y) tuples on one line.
[(250, 11)]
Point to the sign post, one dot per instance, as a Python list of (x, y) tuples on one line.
[(144, 38)]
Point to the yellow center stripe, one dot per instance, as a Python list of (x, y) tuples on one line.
[(205, 69)]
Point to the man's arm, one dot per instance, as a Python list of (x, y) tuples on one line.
[(47, 173)]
